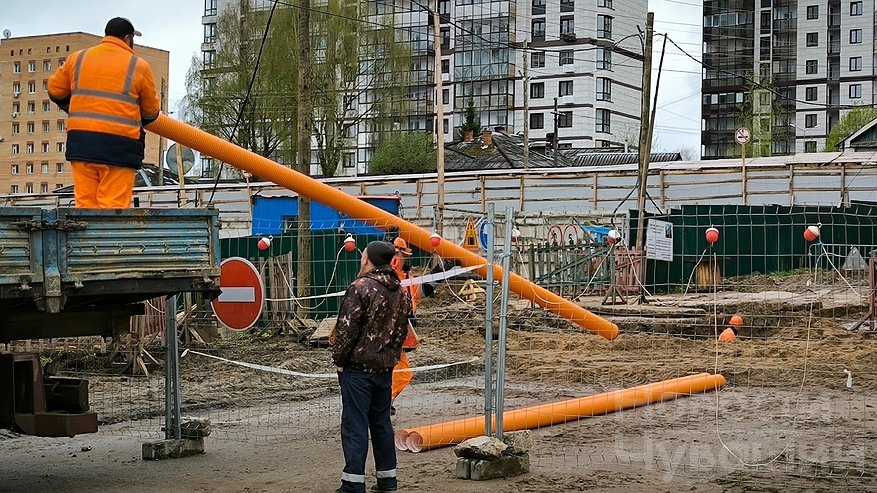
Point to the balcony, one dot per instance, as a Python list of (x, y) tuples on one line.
[(569, 37)]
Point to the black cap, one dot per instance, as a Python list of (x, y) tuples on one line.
[(120, 27), (380, 253)]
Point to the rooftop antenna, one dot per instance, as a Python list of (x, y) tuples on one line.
[(7, 34)]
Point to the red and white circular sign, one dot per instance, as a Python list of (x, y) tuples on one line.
[(242, 296)]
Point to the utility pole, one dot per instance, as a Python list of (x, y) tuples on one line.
[(644, 151), (439, 121), (554, 144), (305, 130), (526, 108)]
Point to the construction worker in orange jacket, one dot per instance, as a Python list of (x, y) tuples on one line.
[(401, 379), (109, 95)]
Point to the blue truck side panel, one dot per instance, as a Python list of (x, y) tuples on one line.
[(271, 215)]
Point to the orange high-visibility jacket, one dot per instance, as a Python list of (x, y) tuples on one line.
[(109, 94)]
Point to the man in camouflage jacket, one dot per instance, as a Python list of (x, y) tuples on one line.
[(372, 325)]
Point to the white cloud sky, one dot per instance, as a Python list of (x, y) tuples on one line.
[(175, 26)]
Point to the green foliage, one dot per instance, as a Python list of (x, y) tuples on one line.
[(851, 123), (764, 120), (403, 153), (471, 121)]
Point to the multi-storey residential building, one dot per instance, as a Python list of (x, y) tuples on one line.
[(32, 128), (585, 53), (813, 60)]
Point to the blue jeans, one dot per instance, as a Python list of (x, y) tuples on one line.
[(365, 400)]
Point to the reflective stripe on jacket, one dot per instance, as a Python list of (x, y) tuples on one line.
[(109, 94)]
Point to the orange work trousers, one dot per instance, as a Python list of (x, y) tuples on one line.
[(102, 186), (401, 379)]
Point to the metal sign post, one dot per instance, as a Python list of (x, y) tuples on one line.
[(742, 135), (172, 393)]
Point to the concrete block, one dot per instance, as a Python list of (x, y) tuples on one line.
[(504, 467), (519, 442), (194, 427), (172, 449), (463, 468)]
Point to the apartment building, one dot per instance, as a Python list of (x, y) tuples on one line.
[(815, 60), (32, 128), (585, 53)]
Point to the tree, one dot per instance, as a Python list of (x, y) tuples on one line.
[(762, 112), (217, 84), (471, 121), (360, 72), (849, 124), (401, 153)]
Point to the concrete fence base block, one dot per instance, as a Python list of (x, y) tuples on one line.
[(504, 467), (172, 449), (463, 468)]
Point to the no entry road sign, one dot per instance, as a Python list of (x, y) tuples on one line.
[(243, 294)]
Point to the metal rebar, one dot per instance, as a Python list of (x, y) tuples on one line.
[(172, 371)]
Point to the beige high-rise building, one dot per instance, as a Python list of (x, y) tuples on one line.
[(32, 128)]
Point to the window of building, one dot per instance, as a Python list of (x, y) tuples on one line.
[(565, 88), (208, 59), (44, 147), (566, 57), (855, 8), (765, 22), (47, 65), (13, 189), (446, 66), (16, 129), (604, 89), (16, 88), (603, 121), (855, 36), (855, 64), (764, 47), (348, 160), (812, 39), (30, 127), (31, 107), (809, 121), (210, 7), (59, 185), (61, 62), (537, 90), (538, 7), (62, 125), (28, 188), (567, 25), (446, 126), (16, 109), (446, 38), (604, 59), (16, 68), (59, 167), (538, 32), (811, 66), (44, 188), (15, 149), (446, 96), (810, 93), (45, 85), (810, 146), (812, 12), (14, 170), (31, 87), (537, 121), (44, 168), (564, 119), (209, 33), (604, 3), (30, 147), (28, 168), (855, 91), (60, 147), (604, 26), (31, 66), (45, 127), (444, 8), (538, 60), (567, 5)]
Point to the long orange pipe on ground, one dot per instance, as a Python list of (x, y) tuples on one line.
[(453, 432), (263, 167)]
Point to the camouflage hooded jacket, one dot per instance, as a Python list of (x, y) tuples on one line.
[(372, 322)]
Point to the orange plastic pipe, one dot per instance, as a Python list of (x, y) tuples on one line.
[(453, 432), (353, 207)]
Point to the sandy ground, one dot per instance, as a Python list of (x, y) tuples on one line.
[(786, 420)]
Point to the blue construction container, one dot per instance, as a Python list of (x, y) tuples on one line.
[(275, 213)]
